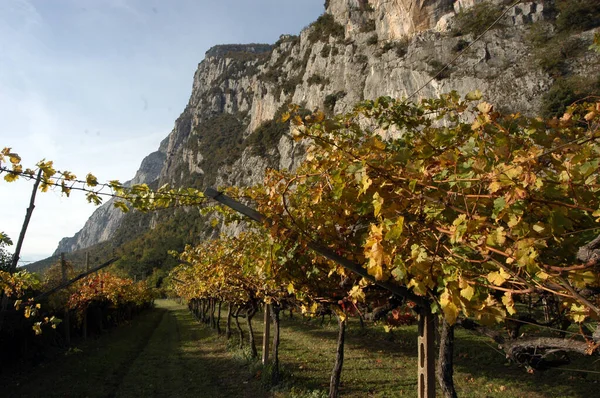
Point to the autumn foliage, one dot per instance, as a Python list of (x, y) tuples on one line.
[(467, 207)]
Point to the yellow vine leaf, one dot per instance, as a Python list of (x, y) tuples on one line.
[(121, 206), (378, 144), (14, 158), (508, 302), (418, 287), (395, 231), (365, 183), (485, 107), (467, 292), (357, 294), (497, 237), (579, 312), (11, 177), (498, 277), (489, 313), (374, 251), (494, 187), (341, 314), (542, 275), (377, 203), (91, 180), (450, 309), (473, 95), (375, 256)]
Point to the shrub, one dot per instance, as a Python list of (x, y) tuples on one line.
[(362, 59), (301, 64), (267, 135), (388, 46), (475, 20), (373, 40), (553, 56), (401, 47), (217, 136), (331, 100), (324, 27), (577, 15), (325, 51), (460, 45), (437, 66), (564, 92), (317, 79), (539, 33), (288, 86), (368, 26), (245, 51)]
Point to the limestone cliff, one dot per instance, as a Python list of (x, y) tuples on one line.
[(357, 50), (103, 223)]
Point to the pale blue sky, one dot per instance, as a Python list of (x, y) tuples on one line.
[(95, 85)]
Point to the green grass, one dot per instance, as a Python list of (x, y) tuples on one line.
[(162, 353), (165, 352), (379, 364)]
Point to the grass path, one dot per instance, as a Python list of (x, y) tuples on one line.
[(187, 359), (162, 353), (166, 353)]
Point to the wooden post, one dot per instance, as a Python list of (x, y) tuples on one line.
[(28, 213), (87, 268), (15, 257), (426, 347), (266, 334), (66, 321)]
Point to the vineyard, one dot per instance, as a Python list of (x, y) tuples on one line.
[(443, 213), (34, 322)]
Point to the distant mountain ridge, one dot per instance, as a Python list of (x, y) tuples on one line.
[(103, 223)]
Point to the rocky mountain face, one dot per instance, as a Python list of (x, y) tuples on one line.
[(104, 222), (359, 49)]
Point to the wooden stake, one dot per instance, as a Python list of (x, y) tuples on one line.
[(426, 360), (266, 334), (28, 213), (87, 268), (66, 321)]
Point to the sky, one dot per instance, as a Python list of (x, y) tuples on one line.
[(95, 85)]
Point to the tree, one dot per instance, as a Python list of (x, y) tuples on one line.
[(5, 256)]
